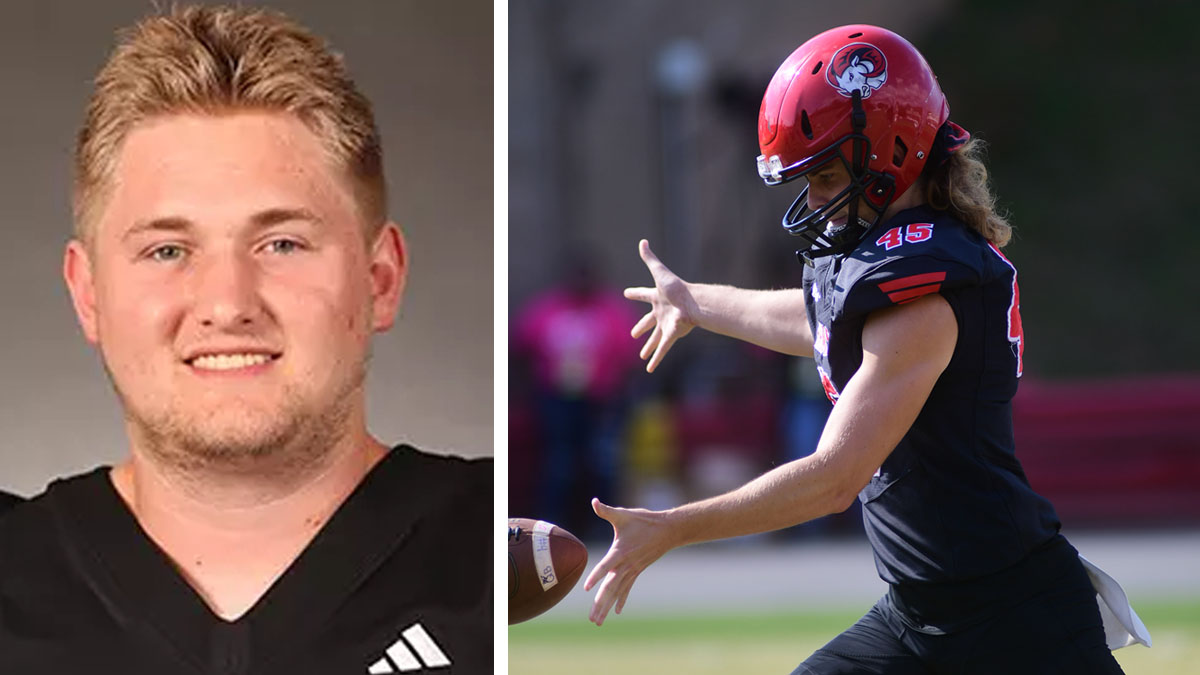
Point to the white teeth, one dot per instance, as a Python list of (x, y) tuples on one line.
[(229, 361)]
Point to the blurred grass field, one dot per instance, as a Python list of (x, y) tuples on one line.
[(773, 643)]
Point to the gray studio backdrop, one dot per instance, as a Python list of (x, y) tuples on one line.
[(426, 66)]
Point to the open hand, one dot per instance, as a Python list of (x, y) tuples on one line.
[(639, 538), (672, 312)]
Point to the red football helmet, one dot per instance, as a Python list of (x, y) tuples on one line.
[(861, 94)]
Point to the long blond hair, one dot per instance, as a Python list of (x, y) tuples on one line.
[(960, 187)]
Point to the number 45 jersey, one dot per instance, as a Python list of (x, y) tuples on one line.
[(951, 502)]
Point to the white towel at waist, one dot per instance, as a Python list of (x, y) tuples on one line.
[(1122, 626)]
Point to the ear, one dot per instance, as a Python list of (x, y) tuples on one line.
[(389, 272), (77, 271)]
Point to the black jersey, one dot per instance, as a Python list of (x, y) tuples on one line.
[(7, 501), (951, 502), (398, 581)]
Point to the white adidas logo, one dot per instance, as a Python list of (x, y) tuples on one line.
[(399, 658)]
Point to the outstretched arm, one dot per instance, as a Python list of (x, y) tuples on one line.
[(776, 320), (905, 350)]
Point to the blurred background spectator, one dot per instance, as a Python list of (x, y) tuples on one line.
[(637, 118), (572, 340)]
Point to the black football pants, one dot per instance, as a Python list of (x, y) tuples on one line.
[(1056, 632)]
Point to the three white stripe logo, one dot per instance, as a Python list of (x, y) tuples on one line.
[(400, 657)]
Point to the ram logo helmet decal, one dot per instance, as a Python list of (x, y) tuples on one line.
[(859, 67)]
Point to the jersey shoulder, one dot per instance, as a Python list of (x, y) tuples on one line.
[(7, 502), (918, 252), (24, 520), (34, 557), (450, 477), (444, 492)]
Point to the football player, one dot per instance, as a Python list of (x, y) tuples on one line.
[(912, 314), (231, 261)]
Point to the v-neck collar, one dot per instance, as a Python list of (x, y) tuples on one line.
[(142, 588)]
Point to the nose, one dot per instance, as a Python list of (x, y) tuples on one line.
[(225, 291), (816, 197), (822, 192)]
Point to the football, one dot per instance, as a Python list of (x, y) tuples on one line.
[(544, 564)]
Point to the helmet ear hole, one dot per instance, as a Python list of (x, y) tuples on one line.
[(899, 152), (805, 125)]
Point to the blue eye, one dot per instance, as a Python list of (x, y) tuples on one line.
[(283, 246), (166, 253)]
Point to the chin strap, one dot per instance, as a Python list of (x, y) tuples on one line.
[(858, 123)]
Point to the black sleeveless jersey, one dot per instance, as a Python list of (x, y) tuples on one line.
[(951, 502)]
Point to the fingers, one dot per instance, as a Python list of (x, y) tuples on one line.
[(606, 512), (663, 344), (647, 255), (603, 601), (601, 509), (659, 341), (641, 294), (651, 342), (643, 325), (614, 572), (599, 570), (623, 595), (614, 590), (653, 264)]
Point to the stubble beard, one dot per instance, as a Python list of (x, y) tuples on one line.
[(295, 438)]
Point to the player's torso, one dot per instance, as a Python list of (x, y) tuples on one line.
[(396, 582), (954, 479), (918, 252)]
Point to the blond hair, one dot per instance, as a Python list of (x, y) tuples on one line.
[(216, 60), (960, 187)]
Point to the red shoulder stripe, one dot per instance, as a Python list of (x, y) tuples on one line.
[(914, 280), (909, 294)]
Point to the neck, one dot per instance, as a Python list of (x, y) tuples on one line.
[(231, 535), (913, 196)]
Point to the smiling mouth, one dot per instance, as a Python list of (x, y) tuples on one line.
[(230, 361)]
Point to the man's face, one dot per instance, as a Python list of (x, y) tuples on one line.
[(230, 289), (827, 182)]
